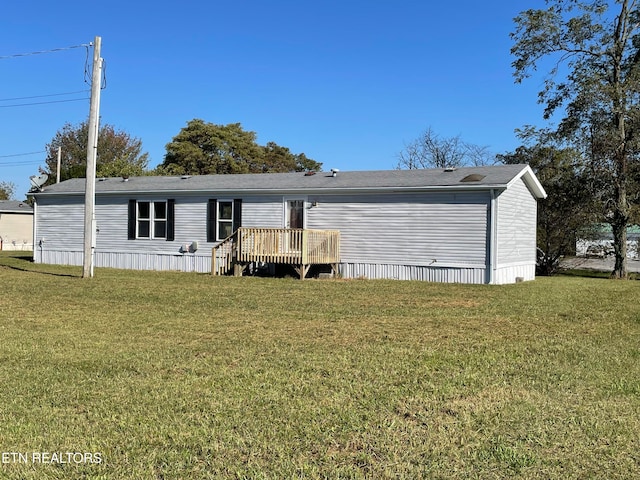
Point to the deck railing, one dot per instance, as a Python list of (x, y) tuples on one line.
[(298, 247)]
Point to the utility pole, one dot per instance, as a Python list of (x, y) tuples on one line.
[(58, 166), (92, 148)]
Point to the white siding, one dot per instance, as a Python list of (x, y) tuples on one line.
[(516, 231), (511, 273), (16, 231), (441, 230)]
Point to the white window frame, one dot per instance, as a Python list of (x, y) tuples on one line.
[(219, 220), (285, 209), (152, 219)]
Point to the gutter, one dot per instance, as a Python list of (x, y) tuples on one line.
[(492, 235)]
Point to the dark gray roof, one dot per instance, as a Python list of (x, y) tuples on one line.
[(499, 176), (13, 206)]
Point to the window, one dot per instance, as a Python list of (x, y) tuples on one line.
[(152, 220), (224, 217), (159, 220)]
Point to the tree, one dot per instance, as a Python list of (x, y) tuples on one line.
[(203, 148), (118, 153), (7, 190), (597, 43), (566, 214), (433, 151), (280, 159)]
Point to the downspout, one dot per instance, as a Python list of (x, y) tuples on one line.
[(35, 231), (493, 237)]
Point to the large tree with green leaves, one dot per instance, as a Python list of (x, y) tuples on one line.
[(203, 148), (594, 85), (118, 153)]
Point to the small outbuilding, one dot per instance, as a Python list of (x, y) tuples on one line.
[(16, 225), (466, 225)]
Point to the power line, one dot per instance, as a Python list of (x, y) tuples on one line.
[(53, 50), (44, 103), (23, 154), (43, 96), (21, 164)]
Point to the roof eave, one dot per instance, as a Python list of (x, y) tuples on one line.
[(292, 191), (531, 181)]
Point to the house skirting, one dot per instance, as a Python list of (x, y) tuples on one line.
[(522, 272), (413, 272), (187, 262), (190, 262)]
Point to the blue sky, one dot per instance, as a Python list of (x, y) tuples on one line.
[(348, 83)]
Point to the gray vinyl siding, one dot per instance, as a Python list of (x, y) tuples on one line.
[(432, 236), (262, 211), (426, 229), (60, 223), (516, 231), (61, 227)]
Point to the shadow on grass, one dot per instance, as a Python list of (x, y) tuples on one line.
[(586, 273), (22, 262)]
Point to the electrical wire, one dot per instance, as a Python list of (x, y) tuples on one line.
[(53, 50), (43, 96), (87, 72), (20, 164), (44, 103), (23, 154)]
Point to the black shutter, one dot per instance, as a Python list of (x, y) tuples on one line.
[(132, 220), (212, 206), (171, 203), (237, 214)]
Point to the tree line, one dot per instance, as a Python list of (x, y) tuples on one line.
[(200, 148)]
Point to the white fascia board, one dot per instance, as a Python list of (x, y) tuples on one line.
[(531, 181)]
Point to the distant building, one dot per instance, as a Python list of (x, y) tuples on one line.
[(16, 225), (600, 242)]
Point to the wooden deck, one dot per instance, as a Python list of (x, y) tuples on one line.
[(298, 247)]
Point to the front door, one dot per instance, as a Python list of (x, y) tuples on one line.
[(294, 218), (294, 213)]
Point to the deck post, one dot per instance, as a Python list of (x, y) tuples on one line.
[(304, 250), (237, 269)]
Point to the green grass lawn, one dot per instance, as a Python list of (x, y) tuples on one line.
[(187, 376)]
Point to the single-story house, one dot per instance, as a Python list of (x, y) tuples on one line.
[(16, 225), (466, 225)]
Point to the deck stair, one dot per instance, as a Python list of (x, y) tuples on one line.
[(300, 248)]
